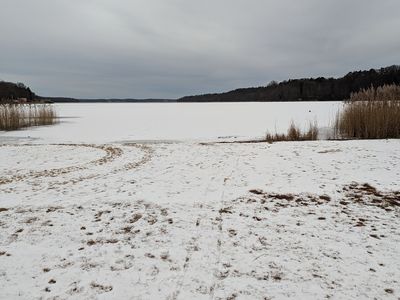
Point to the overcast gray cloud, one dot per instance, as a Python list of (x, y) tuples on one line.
[(160, 48)]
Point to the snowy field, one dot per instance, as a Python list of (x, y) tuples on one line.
[(115, 217)]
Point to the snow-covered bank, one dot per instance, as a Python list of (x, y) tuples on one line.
[(200, 221)]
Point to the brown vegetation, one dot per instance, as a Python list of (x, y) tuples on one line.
[(17, 116), (372, 113), (368, 195), (294, 133)]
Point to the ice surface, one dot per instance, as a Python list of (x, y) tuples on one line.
[(110, 122)]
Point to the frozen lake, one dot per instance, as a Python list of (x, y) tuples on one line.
[(115, 122)]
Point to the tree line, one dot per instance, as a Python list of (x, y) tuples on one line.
[(307, 89), (15, 91)]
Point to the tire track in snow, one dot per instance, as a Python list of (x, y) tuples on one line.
[(189, 253), (111, 154), (217, 271), (197, 233), (148, 153)]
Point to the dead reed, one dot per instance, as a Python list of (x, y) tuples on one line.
[(17, 116), (372, 113), (294, 133)]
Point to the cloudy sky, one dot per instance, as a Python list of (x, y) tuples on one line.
[(172, 48)]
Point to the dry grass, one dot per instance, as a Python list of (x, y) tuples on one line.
[(373, 113), (294, 133), (17, 116)]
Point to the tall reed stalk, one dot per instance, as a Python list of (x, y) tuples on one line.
[(17, 116), (372, 113), (294, 133)]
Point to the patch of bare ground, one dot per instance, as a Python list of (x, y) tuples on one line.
[(101, 288), (366, 194), (287, 200), (329, 151), (136, 217), (52, 209), (102, 242), (353, 194)]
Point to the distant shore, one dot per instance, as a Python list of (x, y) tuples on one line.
[(293, 90), (175, 101)]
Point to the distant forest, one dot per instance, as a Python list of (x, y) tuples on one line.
[(307, 89), (11, 91)]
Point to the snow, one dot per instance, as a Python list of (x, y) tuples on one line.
[(197, 220), (110, 122)]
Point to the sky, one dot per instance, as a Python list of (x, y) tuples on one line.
[(169, 49)]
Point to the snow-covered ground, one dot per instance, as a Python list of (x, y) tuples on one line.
[(192, 220)]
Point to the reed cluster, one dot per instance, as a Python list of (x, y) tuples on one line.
[(372, 113), (17, 116), (294, 133)]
